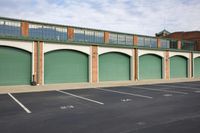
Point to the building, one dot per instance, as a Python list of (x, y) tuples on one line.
[(190, 36), (50, 53)]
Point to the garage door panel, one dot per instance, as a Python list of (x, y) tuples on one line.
[(66, 66), (150, 67), (114, 67), (197, 67), (178, 67), (15, 66)]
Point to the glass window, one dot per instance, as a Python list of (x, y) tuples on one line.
[(129, 40), (173, 44), (79, 35), (99, 37), (113, 38), (188, 45), (48, 32), (10, 28), (147, 42), (89, 36), (141, 41), (121, 39), (153, 43), (164, 43)]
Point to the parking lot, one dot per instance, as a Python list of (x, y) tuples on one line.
[(159, 108)]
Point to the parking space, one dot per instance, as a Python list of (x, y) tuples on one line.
[(111, 109)]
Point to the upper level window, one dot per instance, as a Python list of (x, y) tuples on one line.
[(173, 44), (147, 42), (141, 41), (188, 45), (91, 36), (120, 39), (48, 32), (10, 28), (164, 43)]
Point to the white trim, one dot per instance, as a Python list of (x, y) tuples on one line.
[(103, 50), (90, 65), (27, 46), (187, 55), (43, 63), (195, 55), (54, 46), (143, 52)]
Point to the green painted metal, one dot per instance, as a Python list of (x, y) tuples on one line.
[(178, 67), (197, 67), (150, 67), (114, 67), (15, 66), (65, 66)]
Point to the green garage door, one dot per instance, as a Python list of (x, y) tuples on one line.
[(150, 67), (114, 67), (178, 67), (197, 67), (65, 66), (15, 66)]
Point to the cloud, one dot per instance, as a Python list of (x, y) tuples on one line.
[(138, 16)]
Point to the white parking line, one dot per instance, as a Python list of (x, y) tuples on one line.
[(87, 99), (120, 92), (17, 101), (151, 89), (176, 86)]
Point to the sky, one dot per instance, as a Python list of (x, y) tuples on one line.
[(145, 17)]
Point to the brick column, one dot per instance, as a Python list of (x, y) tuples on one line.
[(190, 66), (158, 43), (70, 33), (167, 65), (24, 28), (94, 64), (179, 44), (106, 37), (35, 58), (135, 40), (40, 63), (136, 63)]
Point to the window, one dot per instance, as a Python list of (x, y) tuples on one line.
[(164, 43), (153, 43), (48, 32), (10, 28), (82, 35), (141, 41), (113, 38), (129, 40), (173, 44), (121, 39), (188, 45)]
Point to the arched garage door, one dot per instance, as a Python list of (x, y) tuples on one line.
[(150, 67), (15, 66), (178, 67), (65, 66), (114, 67), (197, 67)]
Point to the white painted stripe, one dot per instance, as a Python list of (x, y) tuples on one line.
[(162, 90), (17, 101), (120, 92), (87, 99), (177, 86)]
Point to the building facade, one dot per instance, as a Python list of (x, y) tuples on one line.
[(49, 54)]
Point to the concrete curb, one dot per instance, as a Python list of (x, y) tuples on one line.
[(69, 86)]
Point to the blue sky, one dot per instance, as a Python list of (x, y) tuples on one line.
[(132, 16)]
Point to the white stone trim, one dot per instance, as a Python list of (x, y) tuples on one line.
[(53, 46), (187, 55), (195, 55), (155, 52), (103, 50), (27, 46)]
